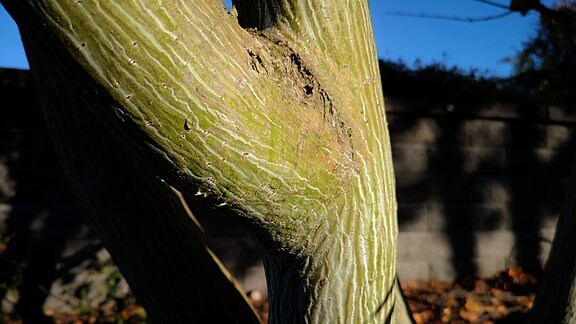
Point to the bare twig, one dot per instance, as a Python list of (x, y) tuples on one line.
[(494, 4), (452, 18)]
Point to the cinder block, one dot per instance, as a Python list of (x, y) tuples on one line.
[(528, 160), (563, 114), (558, 136), (466, 159), (441, 270), (471, 217), (492, 251), (494, 244), (412, 188), (409, 158), (485, 133), (461, 188), (422, 246), (435, 216), (413, 130), (526, 135), (412, 217), (412, 270), (504, 246), (487, 268)]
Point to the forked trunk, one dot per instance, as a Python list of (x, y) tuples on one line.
[(281, 124)]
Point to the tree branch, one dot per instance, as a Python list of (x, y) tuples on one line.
[(494, 4), (452, 18), (524, 6)]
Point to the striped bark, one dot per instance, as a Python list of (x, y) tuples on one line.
[(280, 123)]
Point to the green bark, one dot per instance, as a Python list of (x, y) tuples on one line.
[(283, 127)]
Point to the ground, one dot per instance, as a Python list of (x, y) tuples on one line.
[(504, 298)]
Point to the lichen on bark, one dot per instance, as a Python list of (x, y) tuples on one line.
[(282, 125)]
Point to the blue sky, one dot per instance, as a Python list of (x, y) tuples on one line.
[(480, 45)]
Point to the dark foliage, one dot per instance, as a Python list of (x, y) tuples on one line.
[(438, 83), (546, 65)]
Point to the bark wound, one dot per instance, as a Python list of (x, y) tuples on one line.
[(256, 63), (282, 64), (310, 92)]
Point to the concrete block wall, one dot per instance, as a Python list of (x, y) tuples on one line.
[(479, 189)]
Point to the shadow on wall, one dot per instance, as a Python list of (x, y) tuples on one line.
[(42, 227), (481, 173)]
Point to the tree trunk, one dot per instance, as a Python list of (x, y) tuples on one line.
[(556, 298), (281, 125), (151, 235)]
